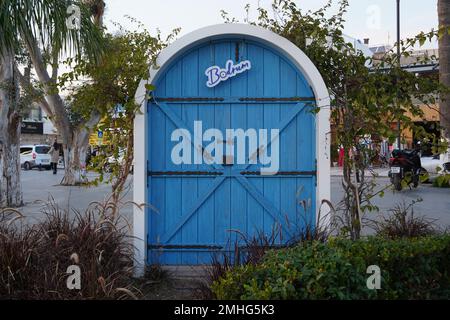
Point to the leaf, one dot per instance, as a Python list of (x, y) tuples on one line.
[(422, 41), (149, 87)]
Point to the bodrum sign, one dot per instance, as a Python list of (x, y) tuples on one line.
[(231, 143), (215, 74)]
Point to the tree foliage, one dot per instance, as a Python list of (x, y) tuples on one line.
[(45, 22), (109, 87)]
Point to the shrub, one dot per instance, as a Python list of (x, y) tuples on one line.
[(252, 249), (34, 257), (410, 269), (442, 181), (403, 223)]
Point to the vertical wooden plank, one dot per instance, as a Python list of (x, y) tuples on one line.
[(189, 88), (272, 187), (305, 127), (156, 161), (158, 198), (303, 87), (222, 122), (238, 121), (306, 202), (306, 151), (288, 145), (206, 215), (173, 185), (312, 196), (255, 119)]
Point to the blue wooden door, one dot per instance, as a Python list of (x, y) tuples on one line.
[(199, 208)]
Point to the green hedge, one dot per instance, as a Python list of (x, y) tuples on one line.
[(410, 269), (442, 181)]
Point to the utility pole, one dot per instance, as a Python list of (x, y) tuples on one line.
[(399, 132)]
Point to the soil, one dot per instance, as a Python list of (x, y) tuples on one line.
[(169, 284), (174, 289)]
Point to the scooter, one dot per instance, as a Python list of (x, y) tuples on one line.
[(405, 165)]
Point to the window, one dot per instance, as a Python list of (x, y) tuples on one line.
[(42, 150), (25, 150), (33, 114)]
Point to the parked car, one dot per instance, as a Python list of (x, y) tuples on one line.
[(434, 165), (35, 156)]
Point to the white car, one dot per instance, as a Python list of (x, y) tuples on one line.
[(434, 165), (35, 156)]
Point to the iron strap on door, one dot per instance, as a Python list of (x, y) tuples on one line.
[(196, 247), (220, 173), (184, 173), (288, 99), (183, 247), (281, 173), (232, 99), (184, 99)]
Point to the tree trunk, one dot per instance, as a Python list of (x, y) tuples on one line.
[(72, 163), (10, 123), (75, 140), (351, 199), (75, 160), (75, 153), (119, 184), (444, 67)]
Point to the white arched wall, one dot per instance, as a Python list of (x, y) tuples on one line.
[(246, 31)]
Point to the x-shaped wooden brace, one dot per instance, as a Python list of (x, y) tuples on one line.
[(256, 194)]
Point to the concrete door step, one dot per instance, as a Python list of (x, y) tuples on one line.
[(186, 272)]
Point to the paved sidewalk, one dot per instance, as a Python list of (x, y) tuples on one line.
[(378, 172), (40, 186)]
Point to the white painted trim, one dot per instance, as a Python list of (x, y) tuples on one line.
[(280, 44), (140, 181)]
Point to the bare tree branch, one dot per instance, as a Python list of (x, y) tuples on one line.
[(24, 82)]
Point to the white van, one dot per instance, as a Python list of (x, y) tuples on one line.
[(35, 157)]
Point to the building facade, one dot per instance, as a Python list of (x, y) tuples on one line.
[(36, 127), (430, 120)]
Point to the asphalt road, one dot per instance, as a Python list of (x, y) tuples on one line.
[(40, 186)]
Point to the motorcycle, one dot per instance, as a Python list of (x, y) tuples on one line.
[(405, 165)]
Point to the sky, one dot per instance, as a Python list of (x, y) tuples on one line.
[(373, 19)]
